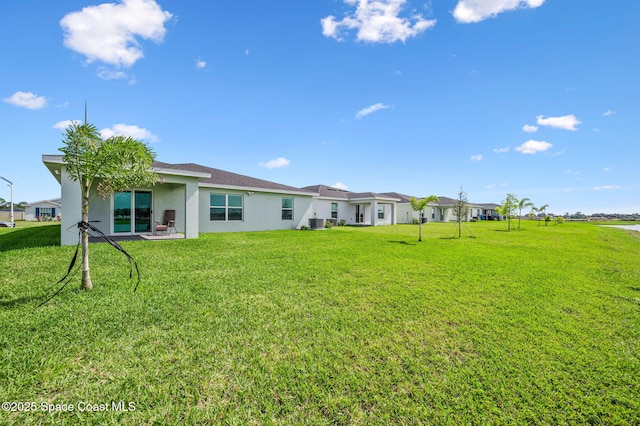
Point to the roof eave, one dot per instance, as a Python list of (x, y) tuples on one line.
[(255, 189)]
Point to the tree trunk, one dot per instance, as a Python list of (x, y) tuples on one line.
[(86, 276)]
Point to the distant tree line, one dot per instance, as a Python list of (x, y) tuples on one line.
[(4, 204)]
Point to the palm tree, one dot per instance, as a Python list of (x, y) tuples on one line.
[(542, 210), (525, 202), (419, 206), (117, 163)]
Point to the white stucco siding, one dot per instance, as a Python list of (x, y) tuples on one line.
[(322, 209), (261, 211), (71, 209)]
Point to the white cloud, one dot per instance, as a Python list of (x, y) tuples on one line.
[(66, 123), (606, 187), (105, 74), (370, 109), (200, 64), (129, 130), (566, 122), (501, 150), (469, 11), (571, 172), (476, 157), (26, 100), (608, 113), (494, 185), (606, 169), (532, 147), (529, 128), (276, 163), (377, 21), (340, 185), (109, 32), (247, 52)]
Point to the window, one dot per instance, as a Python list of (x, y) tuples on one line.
[(287, 208), (433, 212), (225, 207), (380, 212), (45, 211), (334, 210)]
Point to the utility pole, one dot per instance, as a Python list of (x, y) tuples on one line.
[(11, 188)]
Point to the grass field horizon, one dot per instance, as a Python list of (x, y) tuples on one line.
[(341, 326)]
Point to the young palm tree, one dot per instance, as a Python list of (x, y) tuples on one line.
[(419, 206), (542, 210), (116, 164), (525, 202)]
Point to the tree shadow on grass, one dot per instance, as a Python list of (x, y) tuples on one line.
[(404, 243), (39, 236), (7, 303)]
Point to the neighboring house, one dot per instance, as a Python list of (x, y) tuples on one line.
[(209, 200), (45, 209), (442, 210), (365, 208), (488, 211)]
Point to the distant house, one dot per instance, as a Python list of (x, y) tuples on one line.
[(45, 209), (208, 200), (355, 208)]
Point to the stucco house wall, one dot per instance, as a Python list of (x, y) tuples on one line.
[(261, 211)]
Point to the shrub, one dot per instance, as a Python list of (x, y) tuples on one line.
[(328, 224), (342, 222)]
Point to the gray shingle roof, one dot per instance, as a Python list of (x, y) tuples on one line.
[(328, 191), (229, 179)]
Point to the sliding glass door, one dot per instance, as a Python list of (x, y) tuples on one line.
[(132, 212)]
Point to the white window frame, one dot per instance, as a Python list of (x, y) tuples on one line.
[(227, 207)]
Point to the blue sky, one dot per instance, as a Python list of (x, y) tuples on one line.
[(533, 97)]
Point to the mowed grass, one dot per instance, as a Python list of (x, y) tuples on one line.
[(344, 326)]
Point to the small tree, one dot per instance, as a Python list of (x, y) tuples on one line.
[(419, 206), (508, 208), (525, 202), (460, 208), (542, 212), (115, 164)]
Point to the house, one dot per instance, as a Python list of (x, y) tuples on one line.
[(365, 208), (209, 200), (44, 210), (204, 199)]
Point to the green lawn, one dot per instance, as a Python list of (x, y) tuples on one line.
[(342, 326)]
